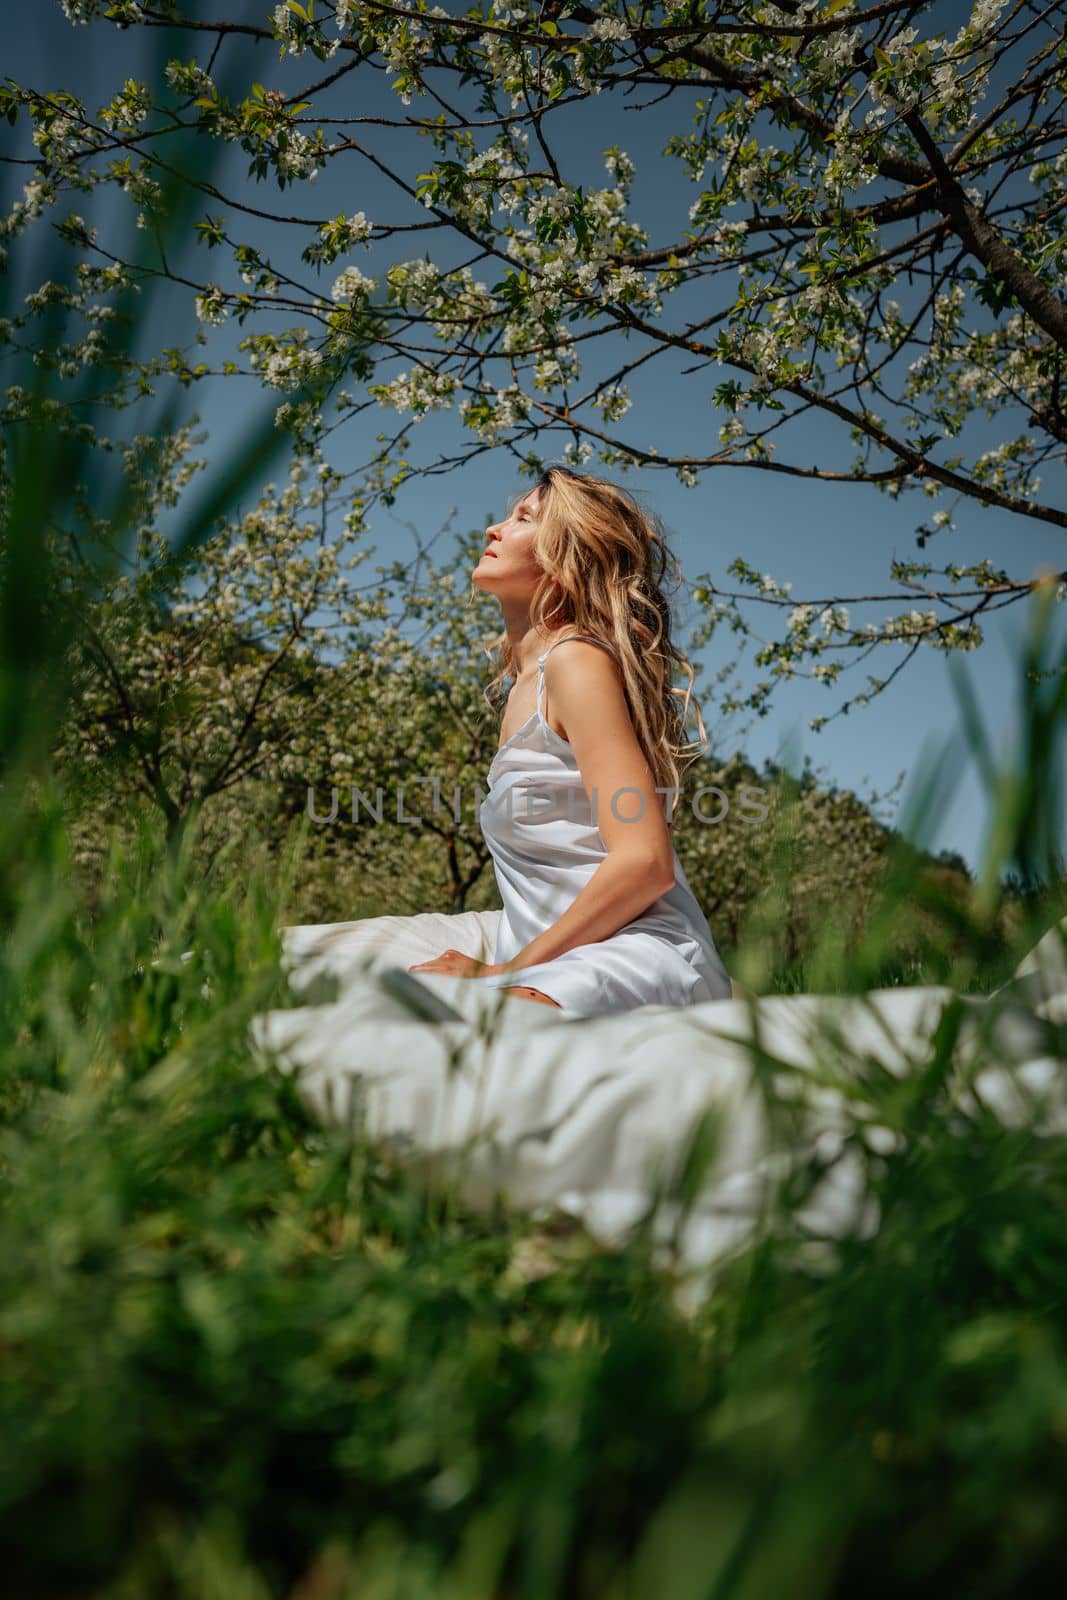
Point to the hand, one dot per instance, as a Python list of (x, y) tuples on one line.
[(457, 965)]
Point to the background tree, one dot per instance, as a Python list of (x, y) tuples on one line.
[(872, 234), (192, 678), (259, 678)]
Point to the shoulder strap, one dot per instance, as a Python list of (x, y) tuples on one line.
[(590, 637)]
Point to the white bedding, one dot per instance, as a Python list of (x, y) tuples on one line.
[(591, 1115)]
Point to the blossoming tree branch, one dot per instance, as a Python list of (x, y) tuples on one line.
[(869, 232)]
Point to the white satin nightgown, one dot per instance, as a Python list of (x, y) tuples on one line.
[(540, 828)]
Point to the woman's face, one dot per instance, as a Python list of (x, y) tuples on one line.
[(508, 567)]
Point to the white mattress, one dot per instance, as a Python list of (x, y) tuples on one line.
[(595, 1116)]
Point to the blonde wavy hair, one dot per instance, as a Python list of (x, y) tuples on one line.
[(608, 572)]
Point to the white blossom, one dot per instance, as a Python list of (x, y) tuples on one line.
[(211, 306), (352, 284), (418, 391), (609, 28)]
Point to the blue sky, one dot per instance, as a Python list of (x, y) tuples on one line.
[(828, 540)]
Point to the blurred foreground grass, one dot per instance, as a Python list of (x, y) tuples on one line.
[(244, 1356)]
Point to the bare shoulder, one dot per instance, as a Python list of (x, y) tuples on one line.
[(580, 661), (585, 688)]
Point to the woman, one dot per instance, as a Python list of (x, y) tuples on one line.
[(598, 915)]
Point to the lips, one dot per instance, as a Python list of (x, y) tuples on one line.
[(489, 553)]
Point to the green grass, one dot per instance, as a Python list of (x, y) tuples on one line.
[(241, 1355)]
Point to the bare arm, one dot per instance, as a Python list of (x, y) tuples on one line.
[(584, 685)]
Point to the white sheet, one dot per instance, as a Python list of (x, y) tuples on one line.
[(591, 1115)]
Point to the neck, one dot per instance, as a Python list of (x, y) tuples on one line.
[(525, 642)]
